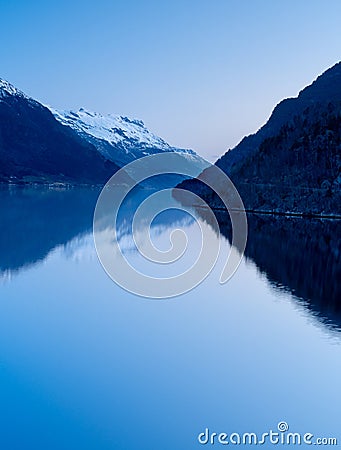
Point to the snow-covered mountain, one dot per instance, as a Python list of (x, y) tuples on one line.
[(35, 147), (41, 144), (118, 138), (110, 128), (7, 88)]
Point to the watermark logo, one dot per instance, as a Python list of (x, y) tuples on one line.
[(140, 171), (280, 436), (282, 426)]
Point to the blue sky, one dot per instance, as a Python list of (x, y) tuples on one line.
[(201, 74)]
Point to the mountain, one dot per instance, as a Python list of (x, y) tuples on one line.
[(119, 138), (38, 143), (324, 90), (34, 146), (293, 163)]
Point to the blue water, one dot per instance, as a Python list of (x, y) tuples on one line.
[(87, 365)]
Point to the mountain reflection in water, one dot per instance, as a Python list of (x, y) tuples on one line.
[(37, 219), (299, 255)]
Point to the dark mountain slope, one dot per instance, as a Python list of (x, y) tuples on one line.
[(293, 163), (34, 146), (299, 169), (325, 89)]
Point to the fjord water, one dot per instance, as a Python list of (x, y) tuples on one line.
[(87, 365)]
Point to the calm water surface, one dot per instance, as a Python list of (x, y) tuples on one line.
[(86, 365)]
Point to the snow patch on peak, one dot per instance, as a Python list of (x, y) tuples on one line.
[(119, 138), (7, 88), (112, 128)]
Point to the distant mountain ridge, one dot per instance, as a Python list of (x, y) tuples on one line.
[(119, 138)]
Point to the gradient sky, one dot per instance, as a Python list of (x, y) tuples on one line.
[(201, 74)]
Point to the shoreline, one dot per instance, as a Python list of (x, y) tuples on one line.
[(303, 215)]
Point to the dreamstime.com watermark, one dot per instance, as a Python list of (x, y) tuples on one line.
[(116, 191), (281, 436)]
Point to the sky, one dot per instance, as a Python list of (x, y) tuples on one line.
[(200, 74)]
